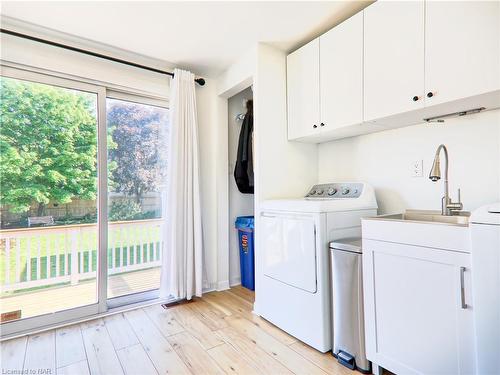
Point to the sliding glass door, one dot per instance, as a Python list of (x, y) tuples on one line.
[(137, 144), (49, 237), (82, 177)]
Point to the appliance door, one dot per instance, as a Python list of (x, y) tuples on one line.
[(289, 247)]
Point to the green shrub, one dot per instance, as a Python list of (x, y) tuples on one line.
[(70, 220), (124, 210)]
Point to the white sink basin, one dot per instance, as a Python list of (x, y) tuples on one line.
[(420, 228), (429, 216)]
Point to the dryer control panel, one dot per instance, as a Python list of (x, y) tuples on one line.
[(335, 191)]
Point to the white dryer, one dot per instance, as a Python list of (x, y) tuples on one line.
[(294, 288)]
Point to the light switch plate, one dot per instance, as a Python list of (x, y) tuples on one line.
[(417, 168)]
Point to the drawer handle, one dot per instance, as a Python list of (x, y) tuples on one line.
[(322, 124), (415, 98), (315, 126), (462, 287), (430, 94)]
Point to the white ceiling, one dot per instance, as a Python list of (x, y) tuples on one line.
[(205, 37)]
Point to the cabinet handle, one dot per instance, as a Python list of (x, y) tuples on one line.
[(415, 98), (462, 288), (315, 126), (322, 124), (430, 94)]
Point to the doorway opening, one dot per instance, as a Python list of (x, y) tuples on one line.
[(240, 204)]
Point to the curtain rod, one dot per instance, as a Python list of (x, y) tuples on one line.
[(199, 81)]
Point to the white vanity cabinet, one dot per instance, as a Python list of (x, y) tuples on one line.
[(417, 299)]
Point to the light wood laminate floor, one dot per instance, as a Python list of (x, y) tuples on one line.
[(217, 334)]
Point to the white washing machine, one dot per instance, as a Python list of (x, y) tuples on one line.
[(294, 289), (485, 257)]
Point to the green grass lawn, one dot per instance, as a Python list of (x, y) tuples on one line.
[(87, 244)]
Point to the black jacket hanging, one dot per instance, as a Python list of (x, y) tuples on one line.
[(243, 170)]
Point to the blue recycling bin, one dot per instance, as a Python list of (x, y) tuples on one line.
[(245, 226)]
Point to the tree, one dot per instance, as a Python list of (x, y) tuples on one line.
[(48, 145), (139, 134)]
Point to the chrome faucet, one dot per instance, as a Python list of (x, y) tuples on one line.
[(448, 208)]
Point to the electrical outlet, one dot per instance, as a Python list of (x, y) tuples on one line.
[(417, 168)]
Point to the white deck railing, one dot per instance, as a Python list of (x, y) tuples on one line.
[(35, 257)]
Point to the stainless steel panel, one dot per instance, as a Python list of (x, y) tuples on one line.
[(347, 306)]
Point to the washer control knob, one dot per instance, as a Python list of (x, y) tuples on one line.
[(332, 191), (319, 191), (345, 191)]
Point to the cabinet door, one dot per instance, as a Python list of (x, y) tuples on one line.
[(303, 91), (462, 45), (415, 320), (341, 74), (394, 58)]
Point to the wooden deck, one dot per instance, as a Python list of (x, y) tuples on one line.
[(217, 334), (49, 300)]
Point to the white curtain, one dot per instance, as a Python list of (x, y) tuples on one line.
[(181, 275)]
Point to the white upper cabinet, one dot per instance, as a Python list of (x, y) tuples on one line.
[(462, 49), (394, 58), (395, 64), (341, 74), (303, 91), (325, 83)]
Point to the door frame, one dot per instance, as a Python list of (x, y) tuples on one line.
[(152, 294), (30, 323)]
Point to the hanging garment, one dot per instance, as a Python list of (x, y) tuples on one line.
[(243, 170), (182, 267)]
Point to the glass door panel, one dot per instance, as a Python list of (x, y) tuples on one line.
[(48, 198), (137, 134)]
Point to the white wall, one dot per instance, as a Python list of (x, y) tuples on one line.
[(239, 204), (209, 107), (384, 160), (285, 169), (239, 75)]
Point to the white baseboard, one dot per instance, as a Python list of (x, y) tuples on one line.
[(255, 309), (235, 281), (223, 285), (209, 287), (208, 290)]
